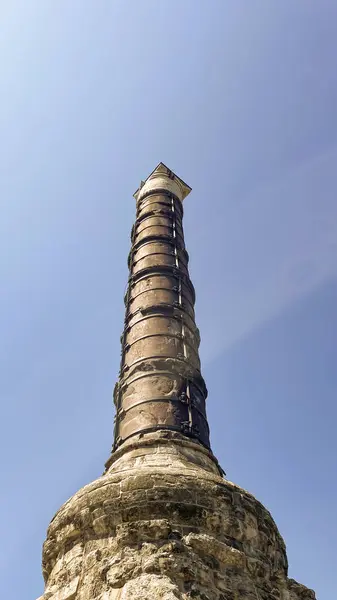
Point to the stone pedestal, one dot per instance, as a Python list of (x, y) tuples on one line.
[(162, 523)]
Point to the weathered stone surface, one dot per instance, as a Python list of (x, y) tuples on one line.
[(299, 592), (165, 531), (149, 587)]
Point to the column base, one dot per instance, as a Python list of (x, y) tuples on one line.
[(162, 523)]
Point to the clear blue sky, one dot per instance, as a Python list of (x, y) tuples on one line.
[(239, 98)]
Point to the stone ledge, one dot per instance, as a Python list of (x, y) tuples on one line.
[(153, 441)]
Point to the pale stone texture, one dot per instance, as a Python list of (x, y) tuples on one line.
[(162, 523), (160, 179)]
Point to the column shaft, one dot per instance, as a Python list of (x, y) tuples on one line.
[(160, 385)]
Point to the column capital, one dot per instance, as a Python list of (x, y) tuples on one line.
[(162, 178)]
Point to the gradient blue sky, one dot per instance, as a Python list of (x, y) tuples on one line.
[(239, 98)]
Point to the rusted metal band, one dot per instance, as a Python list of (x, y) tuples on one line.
[(157, 208), (158, 212), (161, 192), (157, 271), (137, 260), (162, 314), (178, 336), (186, 300), (160, 269), (169, 226), (165, 220), (163, 310), (154, 428), (154, 289), (152, 239), (178, 358), (172, 270), (159, 237), (197, 382), (132, 262), (174, 399), (163, 306), (168, 218)]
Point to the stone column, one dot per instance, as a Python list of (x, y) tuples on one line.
[(162, 522), (160, 385)]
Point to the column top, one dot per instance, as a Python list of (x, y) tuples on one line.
[(162, 178)]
